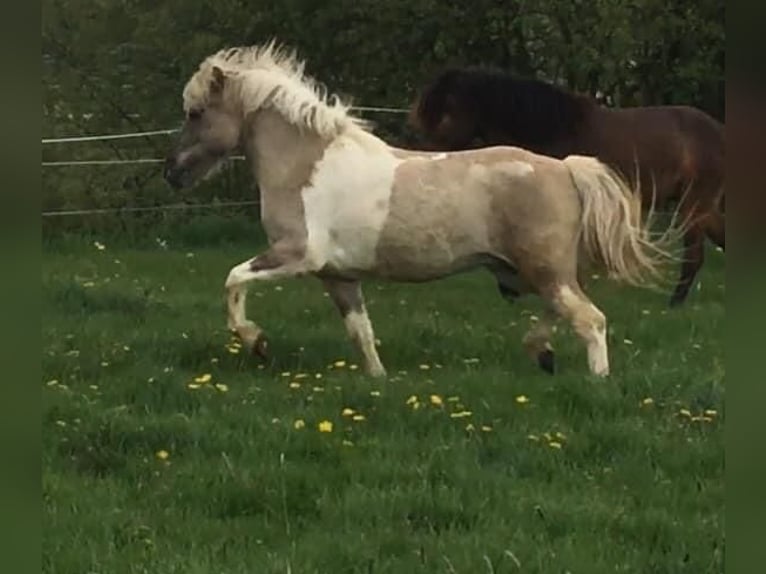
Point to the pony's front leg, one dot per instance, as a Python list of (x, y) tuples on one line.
[(276, 263), (347, 296)]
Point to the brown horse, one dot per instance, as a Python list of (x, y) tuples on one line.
[(676, 151)]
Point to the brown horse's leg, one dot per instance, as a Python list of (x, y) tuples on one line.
[(716, 229), (694, 256)]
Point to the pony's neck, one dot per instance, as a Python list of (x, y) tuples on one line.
[(281, 155)]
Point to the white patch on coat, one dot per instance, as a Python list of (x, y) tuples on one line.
[(347, 203), (516, 168), (439, 156)]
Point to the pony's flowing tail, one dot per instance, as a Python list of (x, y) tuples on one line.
[(613, 233)]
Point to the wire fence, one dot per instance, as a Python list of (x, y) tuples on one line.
[(138, 161)]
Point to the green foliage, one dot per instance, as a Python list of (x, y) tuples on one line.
[(120, 66)]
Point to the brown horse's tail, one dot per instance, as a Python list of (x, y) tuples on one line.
[(613, 233)]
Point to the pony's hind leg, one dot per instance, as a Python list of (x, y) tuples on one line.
[(275, 263), (347, 296), (588, 322), (537, 341)]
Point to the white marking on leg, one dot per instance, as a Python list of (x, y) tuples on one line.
[(598, 358), (360, 330), (590, 324)]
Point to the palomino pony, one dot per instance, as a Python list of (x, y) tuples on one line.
[(340, 204), (678, 149)]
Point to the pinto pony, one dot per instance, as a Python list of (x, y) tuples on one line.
[(677, 151), (340, 204)]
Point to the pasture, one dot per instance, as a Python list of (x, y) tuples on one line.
[(166, 448)]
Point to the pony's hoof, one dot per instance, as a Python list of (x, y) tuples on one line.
[(677, 301), (260, 347), (546, 361)]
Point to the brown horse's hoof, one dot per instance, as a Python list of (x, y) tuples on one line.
[(260, 346), (546, 361)]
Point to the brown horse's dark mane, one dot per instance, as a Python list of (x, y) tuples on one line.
[(533, 111)]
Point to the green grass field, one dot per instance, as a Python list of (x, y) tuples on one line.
[(167, 449)]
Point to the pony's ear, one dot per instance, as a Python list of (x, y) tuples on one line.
[(217, 80)]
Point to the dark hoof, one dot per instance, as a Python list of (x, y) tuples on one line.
[(546, 361), (677, 300), (261, 347)]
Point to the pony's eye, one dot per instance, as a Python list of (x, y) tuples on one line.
[(195, 114)]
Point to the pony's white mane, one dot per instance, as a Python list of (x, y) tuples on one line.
[(269, 75)]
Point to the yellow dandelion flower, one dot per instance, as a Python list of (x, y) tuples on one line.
[(299, 424), (104, 363), (436, 400), (214, 360), (93, 387), (711, 412), (318, 376), (374, 393), (325, 426), (286, 374), (299, 376), (685, 412), (461, 414), (522, 399), (203, 378), (358, 418), (707, 419), (424, 367), (61, 423), (194, 385), (318, 389), (554, 444), (339, 364), (453, 399), (647, 401), (162, 454), (547, 436), (486, 428), (561, 436), (533, 437), (347, 442), (347, 412), (469, 427), (221, 387), (275, 420), (627, 341), (412, 400), (100, 246), (89, 284), (295, 385), (233, 350), (353, 367), (52, 383)]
